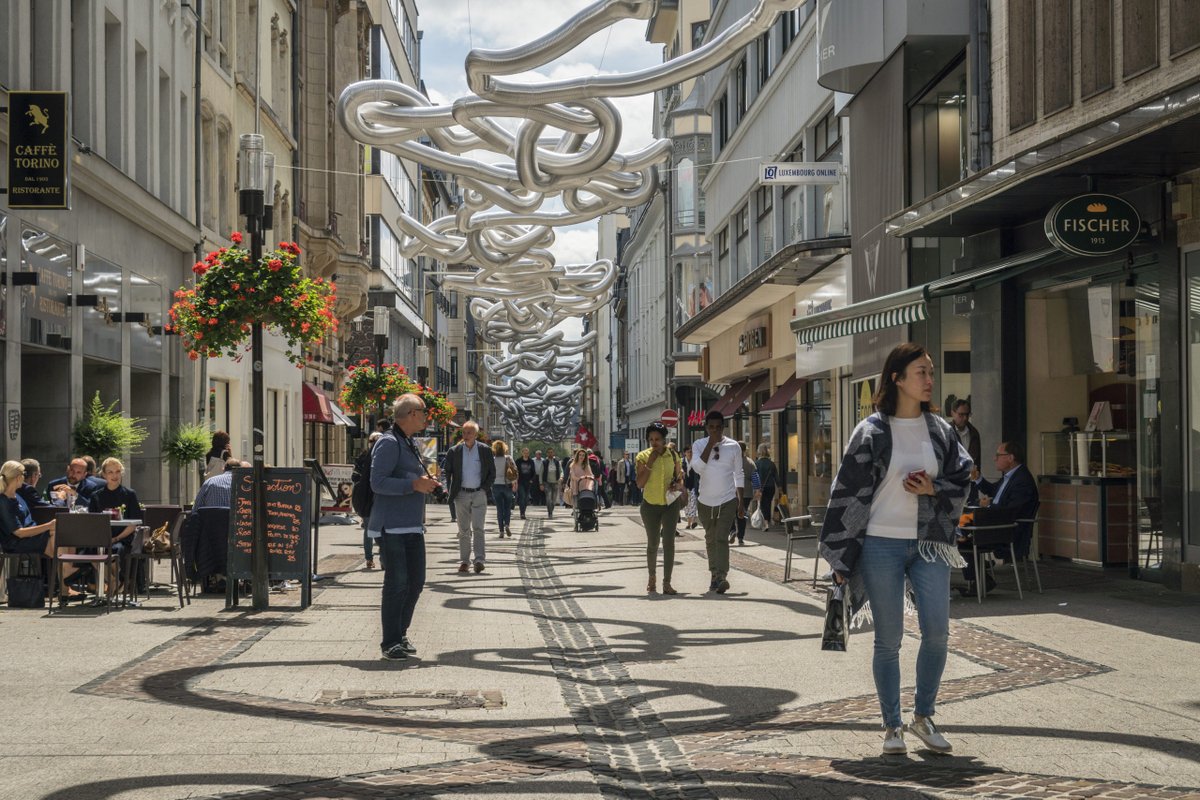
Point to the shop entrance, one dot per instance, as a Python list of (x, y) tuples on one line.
[(1094, 416)]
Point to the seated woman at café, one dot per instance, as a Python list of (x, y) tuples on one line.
[(114, 496), (15, 535)]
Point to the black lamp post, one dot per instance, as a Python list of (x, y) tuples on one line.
[(255, 175)]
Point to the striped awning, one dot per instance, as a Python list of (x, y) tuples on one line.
[(908, 307)]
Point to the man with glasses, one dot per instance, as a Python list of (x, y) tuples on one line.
[(717, 459), (1016, 492), (400, 482)]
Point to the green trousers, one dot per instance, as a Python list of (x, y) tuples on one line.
[(660, 522), (717, 520)]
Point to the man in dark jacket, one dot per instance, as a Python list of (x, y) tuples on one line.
[(76, 487), (471, 470), (1016, 493)]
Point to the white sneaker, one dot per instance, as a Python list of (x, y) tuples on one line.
[(893, 742), (924, 729)]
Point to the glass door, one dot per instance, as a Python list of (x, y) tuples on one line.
[(1191, 261), (1139, 354)]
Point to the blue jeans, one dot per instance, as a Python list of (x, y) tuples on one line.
[(368, 546), (884, 563), (403, 557), (523, 494), (502, 496)]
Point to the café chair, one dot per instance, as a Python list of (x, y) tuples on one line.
[(987, 537), (153, 518), (88, 531), (43, 514), (1031, 558), (799, 529)]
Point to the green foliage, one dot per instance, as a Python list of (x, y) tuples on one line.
[(104, 432), (186, 443)]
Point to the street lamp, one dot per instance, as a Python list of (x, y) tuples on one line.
[(256, 170), (379, 318), (422, 364)]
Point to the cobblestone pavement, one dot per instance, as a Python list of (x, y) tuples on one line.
[(553, 675)]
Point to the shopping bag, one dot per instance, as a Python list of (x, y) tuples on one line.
[(757, 520), (837, 619)]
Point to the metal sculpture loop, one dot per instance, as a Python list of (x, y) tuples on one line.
[(554, 162)]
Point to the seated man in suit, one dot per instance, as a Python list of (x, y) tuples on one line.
[(76, 487), (1017, 494)]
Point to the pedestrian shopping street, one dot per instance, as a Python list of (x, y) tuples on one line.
[(552, 674)]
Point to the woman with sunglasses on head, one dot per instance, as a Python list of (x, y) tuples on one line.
[(893, 508), (659, 471)]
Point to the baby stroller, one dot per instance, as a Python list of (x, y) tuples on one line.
[(586, 505)]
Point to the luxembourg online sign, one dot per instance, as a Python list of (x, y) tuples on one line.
[(813, 173)]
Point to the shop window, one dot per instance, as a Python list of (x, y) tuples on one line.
[(1139, 37), (1185, 26), (1096, 47), (685, 193), (1022, 63), (46, 308), (1058, 78), (938, 135), (723, 274), (827, 135)]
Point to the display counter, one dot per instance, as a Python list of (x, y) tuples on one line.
[(1087, 519)]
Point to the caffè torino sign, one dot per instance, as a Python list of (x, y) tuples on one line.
[(1093, 225)]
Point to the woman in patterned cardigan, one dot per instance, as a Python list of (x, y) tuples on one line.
[(891, 517)]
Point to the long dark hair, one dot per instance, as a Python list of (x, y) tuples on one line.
[(220, 445), (897, 362)]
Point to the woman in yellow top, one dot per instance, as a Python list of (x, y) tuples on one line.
[(659, 470)]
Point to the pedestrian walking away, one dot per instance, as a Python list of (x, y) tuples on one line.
[(361, 498), (717, 460), (768, 476), (470, 470), (752, 490), (892, 513), (659, 471), (552, 475), (527, 478), (504, 486), (400, 484)]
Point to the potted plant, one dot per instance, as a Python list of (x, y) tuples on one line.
[(103, 432), (231, 293), (187, 444)]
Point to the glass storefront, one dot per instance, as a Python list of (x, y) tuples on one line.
[(818, 440), (1093, 411)]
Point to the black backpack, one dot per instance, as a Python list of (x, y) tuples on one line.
[(361, 496)]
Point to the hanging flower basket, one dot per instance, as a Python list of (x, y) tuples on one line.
[(441, 410), (366, 389), (214, 317)]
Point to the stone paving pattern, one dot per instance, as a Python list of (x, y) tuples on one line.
[(553, 674)]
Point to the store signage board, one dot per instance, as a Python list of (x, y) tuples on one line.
[(37, 150), (813, 173), (1093, 225)]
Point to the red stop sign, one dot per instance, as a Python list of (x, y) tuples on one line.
[(670, 418)]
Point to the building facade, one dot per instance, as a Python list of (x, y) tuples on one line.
[(974, 126), (104, 269)]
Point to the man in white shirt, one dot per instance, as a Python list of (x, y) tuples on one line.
[(717, 459)]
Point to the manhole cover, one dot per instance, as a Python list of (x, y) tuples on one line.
[(413, 701)]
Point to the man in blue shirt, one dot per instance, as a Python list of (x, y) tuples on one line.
[(400, 483), (76, 487), (471, 469)]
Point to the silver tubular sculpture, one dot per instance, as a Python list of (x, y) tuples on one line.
[(554, 164)]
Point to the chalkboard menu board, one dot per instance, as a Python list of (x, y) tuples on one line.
[(289, 515)]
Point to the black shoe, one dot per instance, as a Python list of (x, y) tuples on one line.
[(968, 590), (712, 585), (989, 583), (395, 653), (407, 646), (722, 586)]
